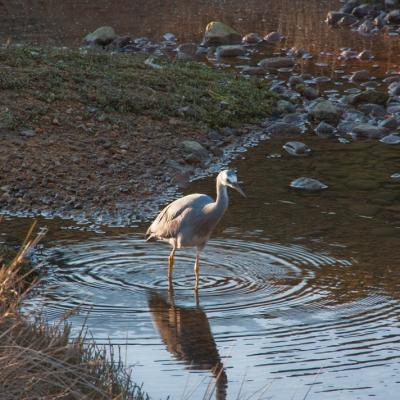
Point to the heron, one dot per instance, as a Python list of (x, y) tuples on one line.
[(190, 220)]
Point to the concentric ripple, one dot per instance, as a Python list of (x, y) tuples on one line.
[(265, 310), (236, 276)]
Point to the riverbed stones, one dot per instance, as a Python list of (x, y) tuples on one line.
[(372, 109), (361, 76), (391, 139), (390, 124), (308, 184), (365, 55), (324, 129), (218, 33), (394, 89), (394, 17), (101, 36), (284, 107), (277, 62), (194, 152), (232, 50), (326, 111), (186, 51), (249, 70), (368, 130), (273, 37), (283, 128), (295, 148), (368, 96), (334, 17), (252, 38)]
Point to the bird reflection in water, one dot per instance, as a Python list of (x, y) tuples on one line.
[(187, 335)]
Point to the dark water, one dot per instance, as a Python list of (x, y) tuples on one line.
[(299, 293)]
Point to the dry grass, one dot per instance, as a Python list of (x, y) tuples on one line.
[(39, 361)]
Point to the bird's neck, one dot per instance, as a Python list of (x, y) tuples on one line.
[(222, 201)]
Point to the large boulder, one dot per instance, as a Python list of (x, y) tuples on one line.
[(326, 111), (101, 36), (277, 62), (218, 33)]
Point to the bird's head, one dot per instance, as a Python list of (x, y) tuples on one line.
[(228, 178)]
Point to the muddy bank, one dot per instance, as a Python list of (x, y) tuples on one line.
[(107, 137)]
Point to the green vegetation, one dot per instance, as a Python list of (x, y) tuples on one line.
[(36, 82), (40, 361)]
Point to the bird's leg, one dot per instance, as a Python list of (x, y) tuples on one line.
[(196, 272), (171, 265)]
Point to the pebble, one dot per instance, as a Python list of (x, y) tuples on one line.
[(309, 184), (391, 139), (295, 148)]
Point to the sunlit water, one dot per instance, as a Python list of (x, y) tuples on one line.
[(299, 293)]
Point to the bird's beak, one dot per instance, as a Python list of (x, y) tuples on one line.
[(238, 188)]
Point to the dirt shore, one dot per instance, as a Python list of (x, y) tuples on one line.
[(102, 136)]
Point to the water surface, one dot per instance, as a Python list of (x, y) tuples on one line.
[(299, 292)]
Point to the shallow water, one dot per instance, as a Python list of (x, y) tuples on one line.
[(299, 293)]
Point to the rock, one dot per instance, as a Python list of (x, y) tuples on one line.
[(390, 124), (296, 52), (295, 148), (347, 20), (284, 107), (368, 96), (230, 51), (309, 184), (348, 55), (283, 128), (120, 42), (326, 111), (194, 151), (392, 4), (273, 37), (349, 6), (366, 27), (334, 17), (325, 130), (310, 93), (393, 17), (252, 38), (396, 176), (27, 133), (392, 78), (169, 37), (393, 108), (186, 51), (295, 80), (218, 33), (369, 131), (253, 71), (101, 36), (372, 109), (362, 11), (391, 139), (361, 76), (365, 55), (394, 89), (276, 62)]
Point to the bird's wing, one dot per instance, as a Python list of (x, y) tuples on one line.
[(168, 222)]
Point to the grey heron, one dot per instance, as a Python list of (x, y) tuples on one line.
[(190, 220)]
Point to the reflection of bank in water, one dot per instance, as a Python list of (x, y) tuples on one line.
[(187, 335)]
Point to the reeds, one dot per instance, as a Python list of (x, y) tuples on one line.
[(40, 361)]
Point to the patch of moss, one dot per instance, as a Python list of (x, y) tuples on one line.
[(118, 84)]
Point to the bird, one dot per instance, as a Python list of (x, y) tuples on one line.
[(190, 220)]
